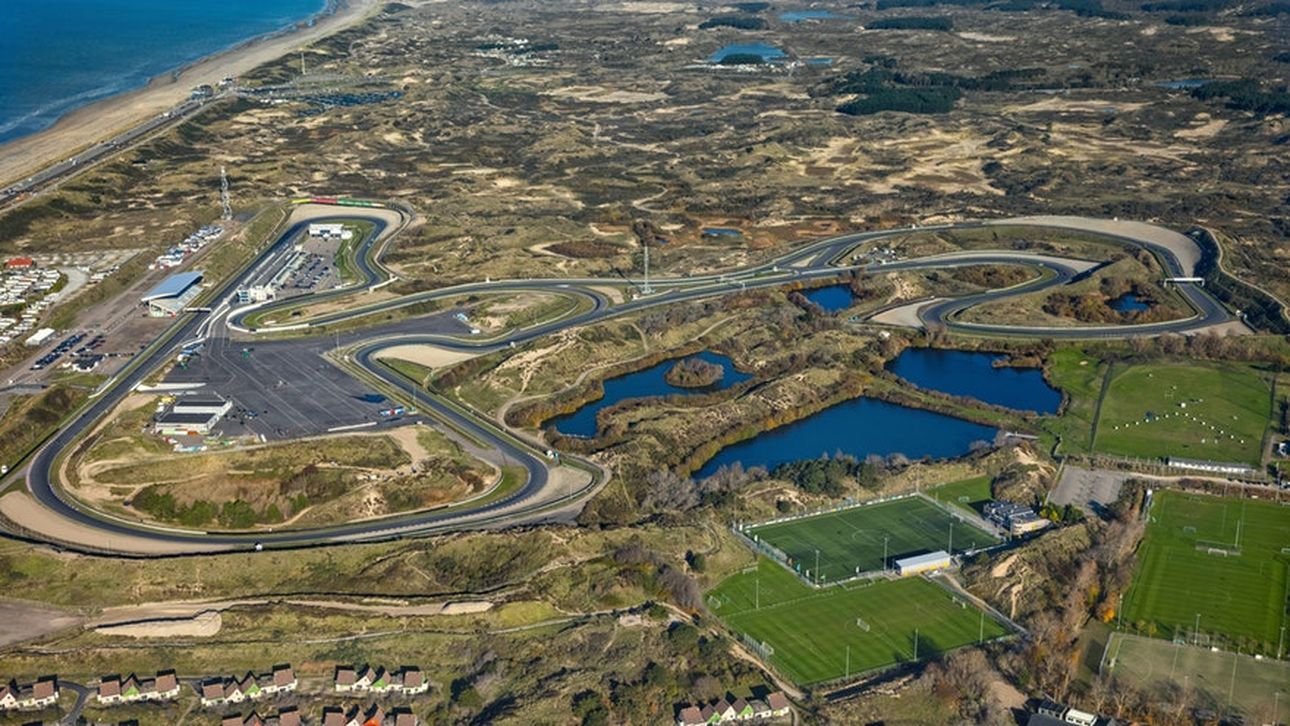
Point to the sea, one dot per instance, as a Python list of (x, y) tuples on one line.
[(59, 55)]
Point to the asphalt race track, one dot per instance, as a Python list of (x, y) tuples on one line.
[(327, 396)]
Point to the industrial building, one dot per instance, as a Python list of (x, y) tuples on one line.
[(1017, 519), (202, 403), (330, 231), (930, 562), (192, 415), (256, 294), (172, 295)]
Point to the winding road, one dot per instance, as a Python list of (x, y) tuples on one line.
[(539, 494)]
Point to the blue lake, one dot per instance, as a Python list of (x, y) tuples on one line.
[(1183, 84), (642, 384), (721, 232), (797, 16), (962, 373), (59, 55), (767, 52), (832, 298), (859, 427), (1128, 303)]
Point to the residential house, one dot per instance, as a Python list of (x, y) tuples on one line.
[(779, 704), (166, 686), (287, 716), (235, 719), (212, 692), (109, 690), (690, 716), (8, 696), (403, 717), (345, 678), (113, 690), (333, 716), (250, 687), (412, 680), (742, 709), (283, 680), (378, 680), (42, 693)]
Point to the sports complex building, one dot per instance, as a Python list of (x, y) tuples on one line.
[(172, 295)]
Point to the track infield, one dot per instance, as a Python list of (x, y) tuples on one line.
[(851, 540), (1193, 569), (1194, 411), (811, 630)]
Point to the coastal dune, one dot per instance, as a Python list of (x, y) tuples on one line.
[(101, 120)]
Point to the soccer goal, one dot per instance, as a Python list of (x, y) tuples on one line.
[(862, 624)]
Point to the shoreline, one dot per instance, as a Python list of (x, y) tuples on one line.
[(86, 125)]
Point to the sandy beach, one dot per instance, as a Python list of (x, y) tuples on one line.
[(103, 119)]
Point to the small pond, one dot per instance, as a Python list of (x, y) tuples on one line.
[(721, 232), (1128, 303), (797, 16), (832, 298), (645, 383), (1182, 84), (859, 427), (964, 373)]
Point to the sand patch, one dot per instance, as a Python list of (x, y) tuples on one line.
[(1001, 569), (466, 608), (987, 38), (600, 94), (430, 356), (1203, 127), (202, 625), (645, 8), (21, 508)]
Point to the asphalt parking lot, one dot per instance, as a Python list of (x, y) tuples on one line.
[(285, 389)]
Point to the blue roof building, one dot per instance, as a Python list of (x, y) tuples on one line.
[(172, 294)]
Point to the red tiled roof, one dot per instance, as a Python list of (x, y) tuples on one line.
[(777, 701), (166, 681), (108, 686), (45, 687), (283, 675)]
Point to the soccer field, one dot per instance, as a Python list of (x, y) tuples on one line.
[(811, 630), (851, 540), (1240, 597), (1222, 677), (1191, 411)]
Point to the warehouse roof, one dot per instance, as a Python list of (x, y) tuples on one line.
[(185, 418), (928, 559), (173, 286)]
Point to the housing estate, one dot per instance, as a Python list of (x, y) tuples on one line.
[(408, 680), (132, 689), (726, 710)]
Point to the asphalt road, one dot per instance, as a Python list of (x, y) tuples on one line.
[(812, 261)]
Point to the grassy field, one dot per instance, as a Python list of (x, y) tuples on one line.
[(970, 495), (1240, 598), (1193, 411), (811, 630), (1221, 678), (1079, 376), (852, 540)]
